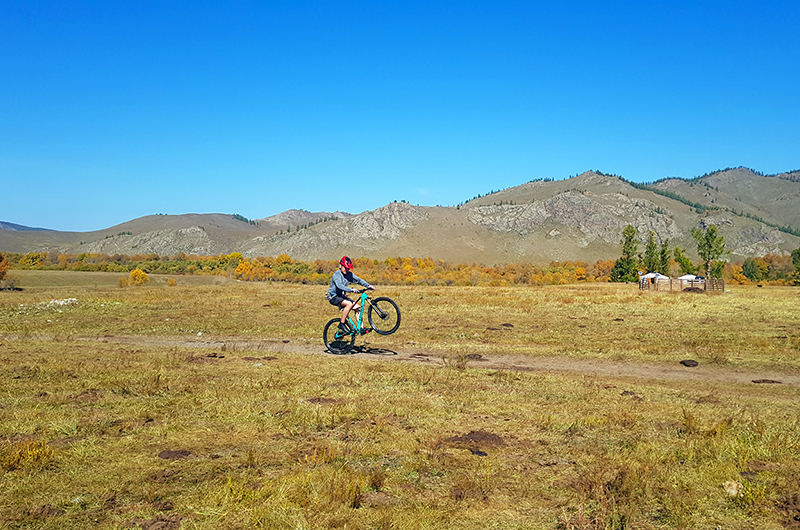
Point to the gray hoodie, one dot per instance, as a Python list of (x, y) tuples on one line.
[(340, 283)]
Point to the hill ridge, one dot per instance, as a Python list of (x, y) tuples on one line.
[(578, 218)]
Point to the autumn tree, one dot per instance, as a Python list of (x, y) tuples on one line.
[(710, 247), (796, 261), (625, 267), (138, 277), (4, 266)]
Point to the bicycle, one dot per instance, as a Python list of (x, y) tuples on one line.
[(382, 313)]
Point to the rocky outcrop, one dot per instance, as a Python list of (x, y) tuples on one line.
[(793, 176), (757, 241), (359, 232), (385, 223), (300, 217), (193, 240), (595, 216), (719, 219)]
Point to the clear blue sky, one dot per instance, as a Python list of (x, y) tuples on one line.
[(114, 110)]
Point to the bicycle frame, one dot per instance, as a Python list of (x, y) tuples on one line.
[(362, 301)]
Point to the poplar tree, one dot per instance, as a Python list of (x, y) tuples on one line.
[(663, 258), (651, 261), (624, 269), (710, 247), (683, 261)]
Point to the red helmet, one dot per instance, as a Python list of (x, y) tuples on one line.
[(346, 263)]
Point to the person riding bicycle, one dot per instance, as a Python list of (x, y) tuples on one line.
[(337, 292)]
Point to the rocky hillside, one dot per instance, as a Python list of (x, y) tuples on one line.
[(292, 219), (774, 199), (580, 218)]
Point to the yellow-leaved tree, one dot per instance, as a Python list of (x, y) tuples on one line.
[(138, 277), (4, 266)]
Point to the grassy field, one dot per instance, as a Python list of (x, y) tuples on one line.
[(100, 433)]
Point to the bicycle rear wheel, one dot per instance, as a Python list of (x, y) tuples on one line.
[(337, 341), (383, 315)]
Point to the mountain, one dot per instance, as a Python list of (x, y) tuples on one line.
[(775, 199), (18, 228), (579, 218), (295, 218)]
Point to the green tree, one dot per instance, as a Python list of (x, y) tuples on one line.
[(624, 269), (629, 243), (663, 258), (651, 262), (751, 269), (683, 261), (710, 246), (796, 261)]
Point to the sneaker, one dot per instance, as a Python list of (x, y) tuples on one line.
[(344, 327)]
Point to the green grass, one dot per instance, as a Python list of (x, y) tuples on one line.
[(275, 439)]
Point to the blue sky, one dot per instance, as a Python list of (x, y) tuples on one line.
[(114, 110)]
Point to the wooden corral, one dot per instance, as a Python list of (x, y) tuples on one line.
[(677, 285)]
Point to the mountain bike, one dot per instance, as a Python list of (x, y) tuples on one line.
[(383, 316)]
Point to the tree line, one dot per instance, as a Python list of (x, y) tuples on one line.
[(771, 268), (393, 270), (659, 258)]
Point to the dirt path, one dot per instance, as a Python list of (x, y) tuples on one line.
[(610, 368)]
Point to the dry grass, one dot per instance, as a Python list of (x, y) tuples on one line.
[(747, 327), (103, 435)]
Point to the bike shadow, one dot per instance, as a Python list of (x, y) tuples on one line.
[(368, 350), (373, 351)]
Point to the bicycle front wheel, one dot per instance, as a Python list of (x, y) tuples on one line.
[(336, 340), (383, 315)]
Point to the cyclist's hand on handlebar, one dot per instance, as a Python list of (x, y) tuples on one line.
[(371, 287)]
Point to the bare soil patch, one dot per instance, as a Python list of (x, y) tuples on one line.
[(158, 522), (790, 508), (175, 454), (161, 476), (323, 401), (527, 363), (45, 510)]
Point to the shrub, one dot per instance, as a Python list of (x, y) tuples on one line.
[(138, 277)]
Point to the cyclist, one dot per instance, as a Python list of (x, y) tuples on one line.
[(337, 292)]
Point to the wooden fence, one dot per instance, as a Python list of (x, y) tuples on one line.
[(675, 285)]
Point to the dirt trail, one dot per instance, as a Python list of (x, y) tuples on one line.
[(609, 368)]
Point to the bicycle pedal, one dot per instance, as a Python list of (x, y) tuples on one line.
[(365, 331)]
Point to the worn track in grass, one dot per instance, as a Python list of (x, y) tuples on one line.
[(608, 368)]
